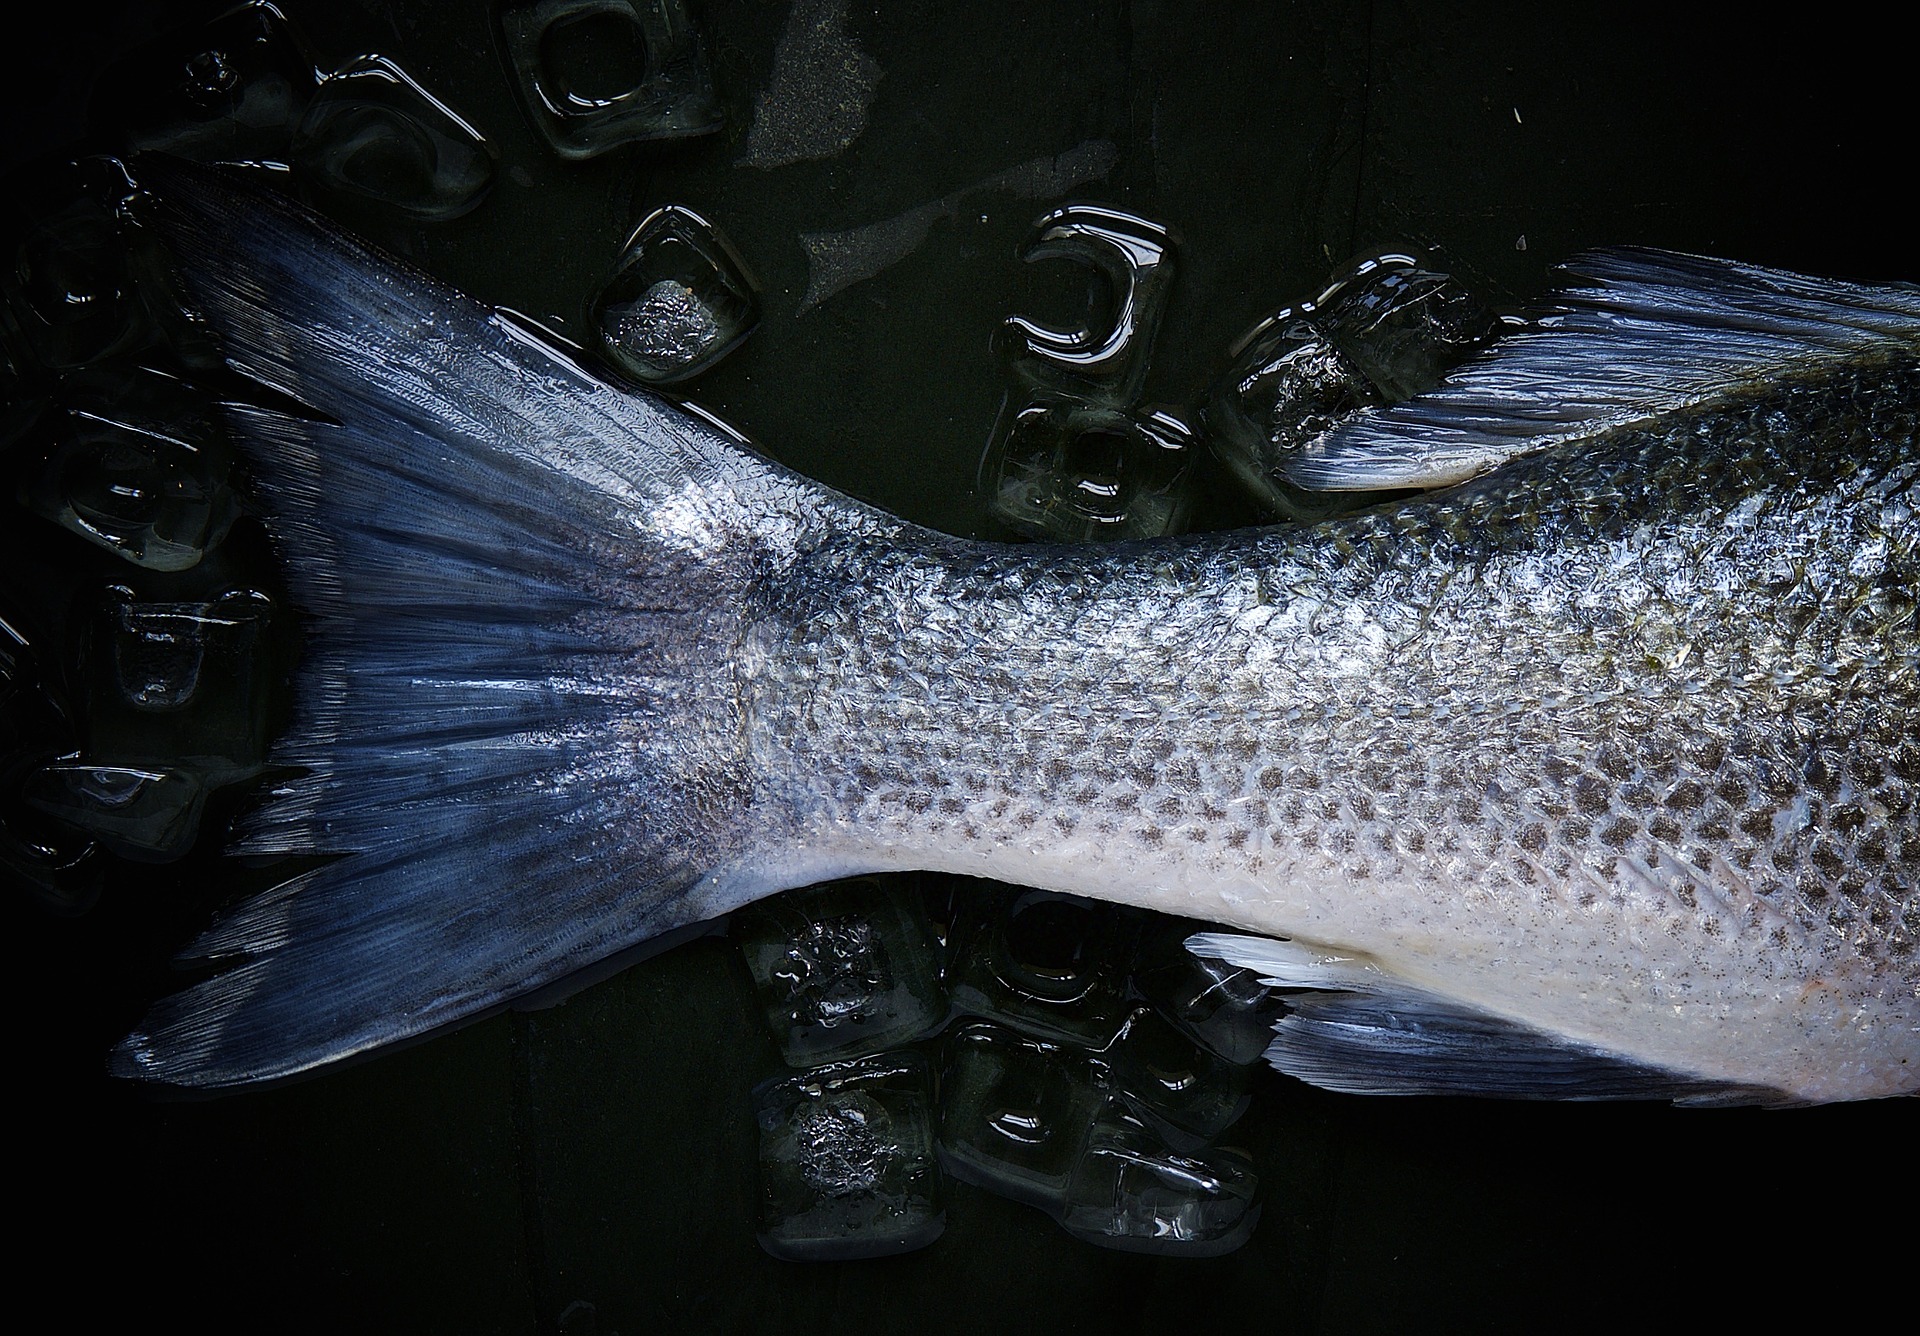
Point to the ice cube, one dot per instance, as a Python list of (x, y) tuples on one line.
[(149, 815), (845, 968), (71, 285), (1130, 1191), (1014, 1114), (138, 465), (1053, 966), (1189, 1095), (1287, 386), (371, 131), (180, 685), (595, 74), (1389, 327), (1068, 470), (231, 90), (24, 400), (1221, 1007), (676, 301), (847, 1163), (1107, 365)]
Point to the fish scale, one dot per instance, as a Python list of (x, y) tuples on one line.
[(1588, 773), (1660, 690)]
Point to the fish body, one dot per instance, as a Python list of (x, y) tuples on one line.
[(1593, 774), (1622, 744)]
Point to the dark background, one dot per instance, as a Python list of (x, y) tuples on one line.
[(591, 1168)]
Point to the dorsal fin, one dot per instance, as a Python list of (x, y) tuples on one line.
[(1640, 333), (1356, 1027)]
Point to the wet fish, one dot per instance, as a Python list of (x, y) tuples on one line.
[(1595, 772)]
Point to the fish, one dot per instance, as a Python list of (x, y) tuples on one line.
[(1590, 770)]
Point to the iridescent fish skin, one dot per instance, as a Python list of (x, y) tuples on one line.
[(1621, 742), (1593, 773)]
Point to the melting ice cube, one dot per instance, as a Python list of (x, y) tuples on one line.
[(677, 300), (595, 74), (1131, 1191), (371, 131), (1072, 471), (847, 1165), (842, 969), (1014, 1113)]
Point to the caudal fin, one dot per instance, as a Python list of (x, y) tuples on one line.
[(516, 722)]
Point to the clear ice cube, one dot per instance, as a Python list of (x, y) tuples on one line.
[(138, 465), (72, 287), (1189, 1095), (180, 685), (1130, 1191), (842, 969), (847, 1162), (231, 90), (1223, 1008), (1134, 255), (1053, 966), (141, 814), (372, 132), (1288, 385), (676, 301), (1014, 1114), (595, 74), (1067, 470)]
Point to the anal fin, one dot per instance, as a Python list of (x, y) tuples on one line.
[(1356, 1028)]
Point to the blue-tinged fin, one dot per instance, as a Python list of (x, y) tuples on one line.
[(1640, 333), (1354, 1027), (514, 730)]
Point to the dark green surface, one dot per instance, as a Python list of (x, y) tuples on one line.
[(602, 1152)]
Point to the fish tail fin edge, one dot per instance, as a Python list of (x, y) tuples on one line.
[(514, 729)]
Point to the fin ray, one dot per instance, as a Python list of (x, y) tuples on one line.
[(1356, 1028), (1648, 332), (511, 727)]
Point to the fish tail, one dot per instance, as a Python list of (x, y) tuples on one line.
[(516, 736)]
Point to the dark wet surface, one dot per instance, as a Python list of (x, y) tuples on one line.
[(592, 1168)]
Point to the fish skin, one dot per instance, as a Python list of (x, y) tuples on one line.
[(1614, 748), (1621, 743)]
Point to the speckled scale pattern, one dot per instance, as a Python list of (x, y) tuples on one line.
[(1622, 741)]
